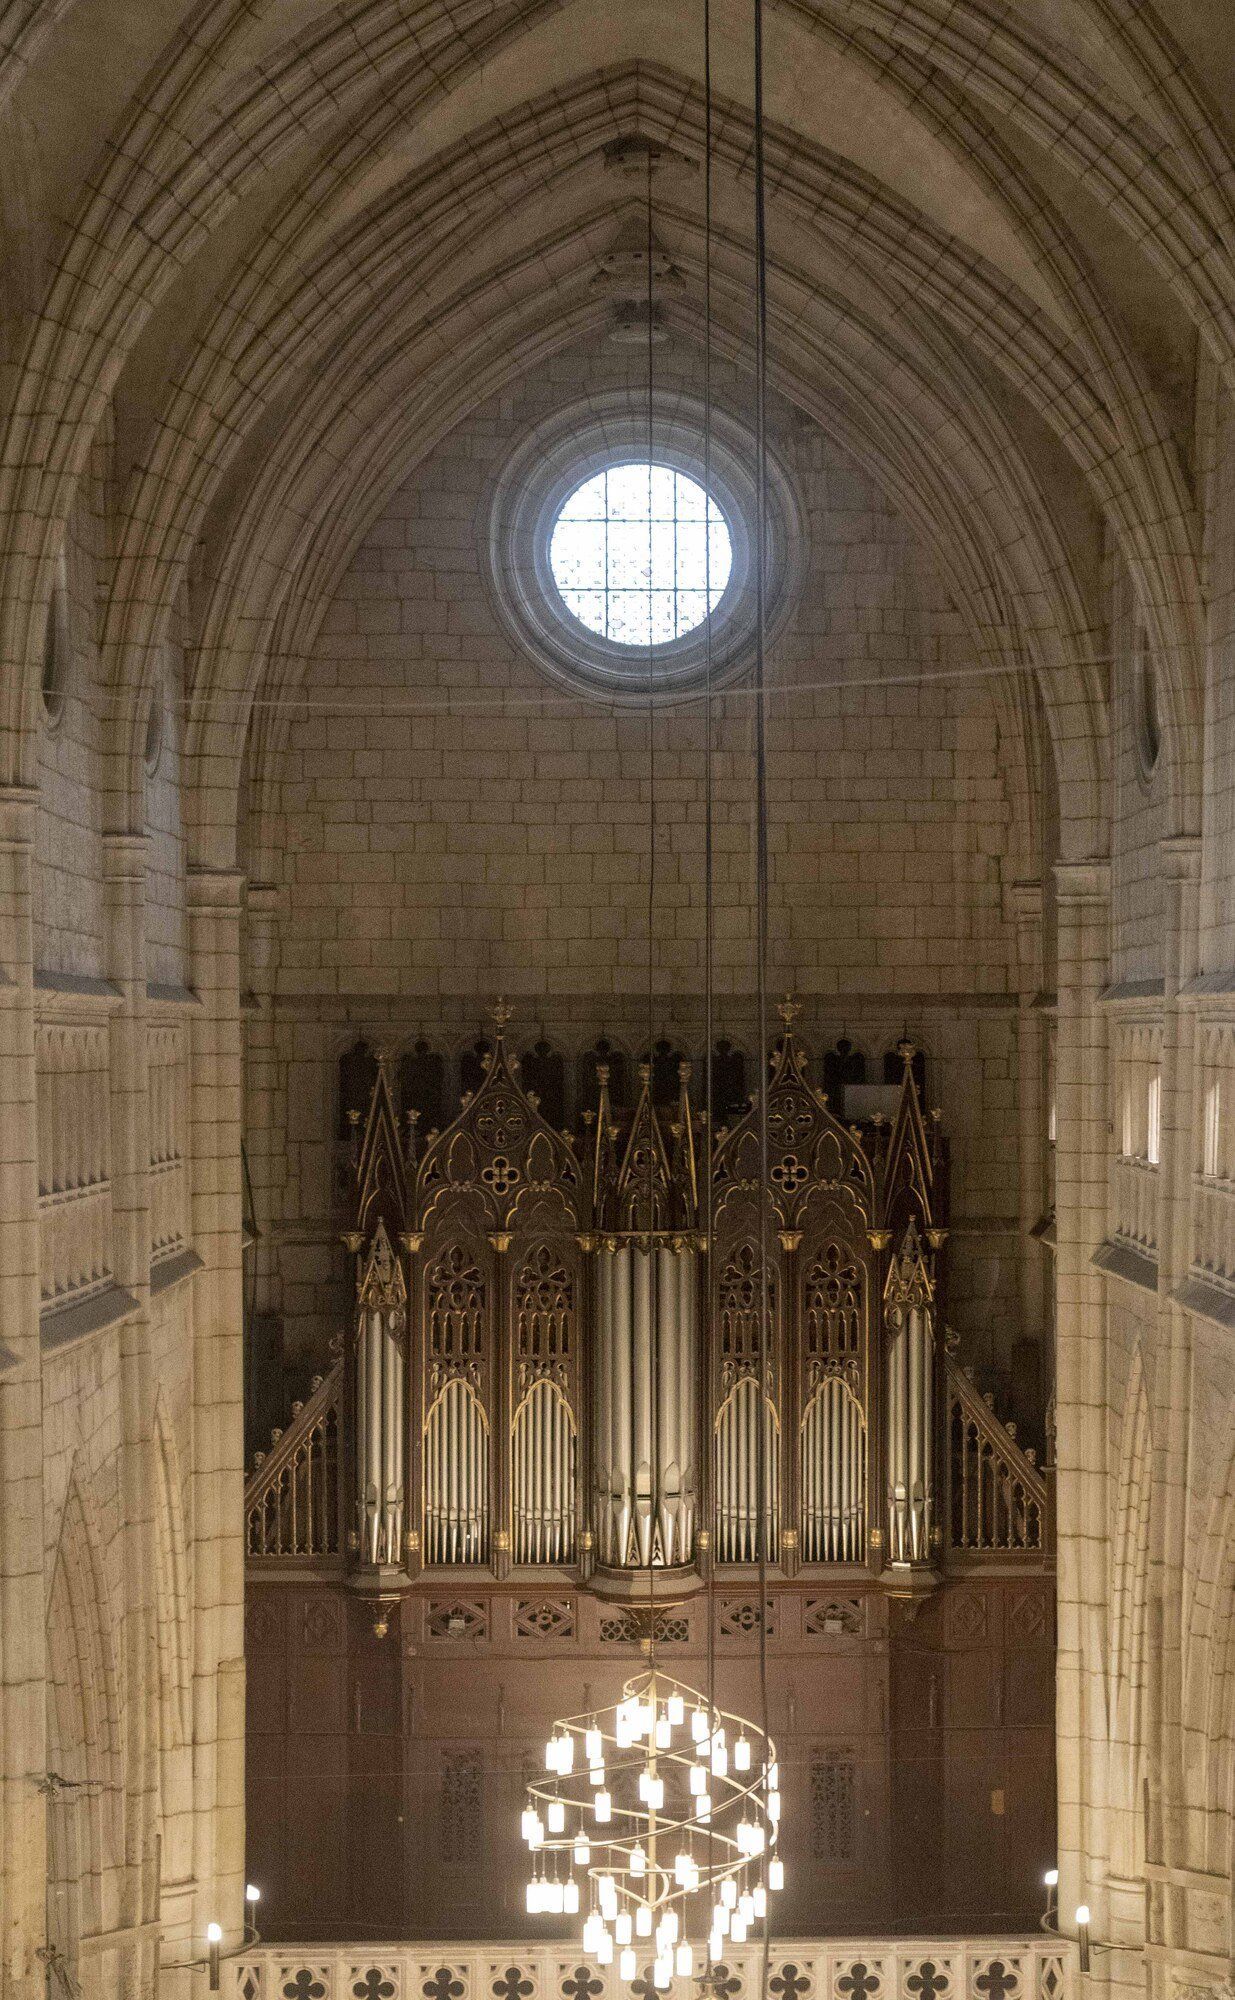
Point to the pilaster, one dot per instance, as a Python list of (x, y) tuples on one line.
[(214, 897), (23, 1721), (1083, 892)]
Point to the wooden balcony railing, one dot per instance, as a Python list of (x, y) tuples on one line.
[(997, 1505), (293, 1503)]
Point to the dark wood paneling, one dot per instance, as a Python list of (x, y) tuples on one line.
[(367, 1817)]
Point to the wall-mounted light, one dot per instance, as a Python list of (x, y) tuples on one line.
[(252, 1894), (1050, 1913), (214, 1938), (1082, 1934)]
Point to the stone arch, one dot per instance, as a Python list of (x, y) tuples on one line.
[(173, 1654), (84, 1748), (1129, 1661)]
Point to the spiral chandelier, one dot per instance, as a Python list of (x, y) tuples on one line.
[(656, 1817)]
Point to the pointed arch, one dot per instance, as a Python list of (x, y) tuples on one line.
[(84, 1745), (1128, 1664), (173, 1653)]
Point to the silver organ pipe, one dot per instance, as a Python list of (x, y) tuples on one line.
[(645, 1422), (379, 1434), (737, 1457), (456, 1477), (911, 1477), (833, 1475), (544, 1477)]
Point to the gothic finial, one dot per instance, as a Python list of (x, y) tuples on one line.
[(789, 1010), (906, 1049), (502, 1012)]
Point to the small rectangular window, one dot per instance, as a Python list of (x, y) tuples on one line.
[(1153, 1117), (1211, 1153)]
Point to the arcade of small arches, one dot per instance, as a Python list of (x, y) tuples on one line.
[(315, 319)]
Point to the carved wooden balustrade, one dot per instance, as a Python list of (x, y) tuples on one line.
[(293, 1504), (998, 1497)]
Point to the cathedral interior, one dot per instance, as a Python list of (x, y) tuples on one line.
[(617, 703)]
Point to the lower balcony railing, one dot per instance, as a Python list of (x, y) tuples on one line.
[(1033, 1967)]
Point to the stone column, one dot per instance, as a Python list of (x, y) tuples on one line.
[(23, 1719), (1031, 1106), (1175, 1835), (124, 866), (1082, 892), (214, 897)]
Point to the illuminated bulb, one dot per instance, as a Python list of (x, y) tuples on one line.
[(593, 1744), (623, 1928), (684, 1961), (645, 1715), (1082, 1915), (651, 1791), (602, 1806), (597, 1774), (746, 1908), (698, 1780), (643, 1921), (723, 1919), (662, 1974), (741, 1754), (729, 1893), (582, 1854), (664, 1733), (214, 1932), (716, 1945), (252, 1894), (1051, 1878), (555, 1818), (720, 1759), (737, 1930), (528, 1823), (638, 1861), (760, 1900), (604, 1950), (681, 1867), (535, 1831), (703, 1807), (772, 1776), (773, 1807), (628, 1963), (776, 1874), (700, 1727), (606, 1890), (533, 1898), (676, 1710), (670, 1926), (570, 1898)]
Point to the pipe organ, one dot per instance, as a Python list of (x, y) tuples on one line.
[(552, 1367), (576, 1377)]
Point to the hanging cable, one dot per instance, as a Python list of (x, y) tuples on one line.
[(653, 1247), (707, 1429), (761, 889)]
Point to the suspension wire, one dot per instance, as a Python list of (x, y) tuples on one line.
[(707, 1429), (761, 908), (653, 1246)]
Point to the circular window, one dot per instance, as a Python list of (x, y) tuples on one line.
[(622, 569), (640, 554)]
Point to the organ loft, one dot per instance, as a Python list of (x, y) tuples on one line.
[(552, 1438)]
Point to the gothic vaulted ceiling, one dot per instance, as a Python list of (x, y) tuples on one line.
[(265, 252)]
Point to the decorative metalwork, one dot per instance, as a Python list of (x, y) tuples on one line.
[(292, 1503)]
